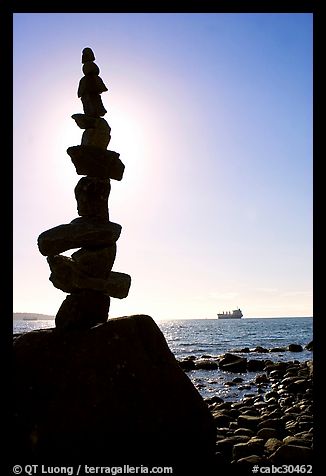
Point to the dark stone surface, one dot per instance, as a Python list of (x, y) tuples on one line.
[(97, 131), (206, 364), (95, 162), (260, 349), (96, 262), (295, 348), (114, 392), (233, 363), (309, 346), (82, 310), (253, 365), (76, 235), (249, 421), (90, 68), (92, 105), (291, 454), (91, 84), (87, 122), (97, 137), (67, 276), (87, 55), (92, 196)]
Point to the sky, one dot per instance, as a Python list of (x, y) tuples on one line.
[(212, 117)]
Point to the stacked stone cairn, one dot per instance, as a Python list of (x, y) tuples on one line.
[(87, 275)]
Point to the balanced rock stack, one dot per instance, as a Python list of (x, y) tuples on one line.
[(87, 275)]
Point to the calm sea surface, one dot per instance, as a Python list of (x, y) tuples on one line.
[(214, 337)]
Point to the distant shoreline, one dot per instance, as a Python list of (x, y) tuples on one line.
[(30, 316)]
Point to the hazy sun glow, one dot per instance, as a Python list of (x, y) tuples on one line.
[(211, 115)]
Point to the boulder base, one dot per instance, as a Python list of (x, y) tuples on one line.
[(114, 392)]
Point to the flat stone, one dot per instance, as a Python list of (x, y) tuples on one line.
[(249, 421), (90, 68), (96, 262), (76, 235), (272, 444), (87, 122), (82, 310), (291, 454), (66, 275), (87, 55), (95, 162), (233, 363), (267, 433), (91, 84), (241, 450), (275, 423), (92, 105), (244, 431), (294, 440), (92, 196)]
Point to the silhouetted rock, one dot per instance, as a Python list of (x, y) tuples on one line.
[(92, 196), (87, 275), (267, 433), (96, 162), (260, 349), (233, 363), (91, 84), (96, 262), (309, 346), (250, 448), (92, 105), (187, 364), (206, 364), (90, 68), (82, 310), (295, 348), (254, 364), (249, 421), (67, 276), (97, 131), (113, 392), (272, 444), (76, 235), (87, 55), (87, 122)]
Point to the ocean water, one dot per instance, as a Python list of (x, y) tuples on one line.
[(213, 337)]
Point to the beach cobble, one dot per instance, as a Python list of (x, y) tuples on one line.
[(274, 425)]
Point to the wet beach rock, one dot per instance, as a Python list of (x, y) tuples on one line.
[(277, 426)]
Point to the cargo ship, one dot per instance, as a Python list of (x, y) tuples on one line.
[(236, 314)]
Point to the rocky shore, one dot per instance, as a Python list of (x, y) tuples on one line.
[(273, 422), (120, 379), (270, 426)]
